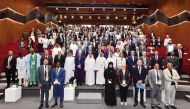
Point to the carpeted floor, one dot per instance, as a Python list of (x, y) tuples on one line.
[(33, 103)]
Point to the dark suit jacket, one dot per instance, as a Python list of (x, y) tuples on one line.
[(41, 74), (174, 60), (131, 62), (127, 77), (159, 61), (60, 76), (12, 63), (61, 59), (79, 62), (177, 53), (137, 76), (49, 59)]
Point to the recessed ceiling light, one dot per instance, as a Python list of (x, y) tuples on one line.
[(77, 9), (57, 8), (98, 17), (72, 17), (107, 17), (113, 9), (65, 17), (116, 17), (81, 17), (90, 17), (125, 18), (67, 8)]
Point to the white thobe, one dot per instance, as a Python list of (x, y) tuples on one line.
[(45, 43), (55, 51), (121, 63), (74, 48), (21, 67), (111, 59), (69, 68), (100, 67), (89, 68)]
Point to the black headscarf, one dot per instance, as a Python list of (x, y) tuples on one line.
[(110, 63)]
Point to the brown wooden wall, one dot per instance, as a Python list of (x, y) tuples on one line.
[(180, 32), (10, 31)]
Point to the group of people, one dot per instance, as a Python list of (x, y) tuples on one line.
[(104, 55)]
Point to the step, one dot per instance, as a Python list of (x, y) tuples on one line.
[(3, 80), (187, 97), (2, 95), (89, 98)]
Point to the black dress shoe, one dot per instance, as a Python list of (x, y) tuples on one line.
[(173, 107), (135, 104), (55, 104), (143, 105), (158, 107), (167, 107), (61, 105), (152, 107), (47, 105), (40, 107)]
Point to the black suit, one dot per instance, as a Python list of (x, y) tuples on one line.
[(176, 51), (136, 77), (154, 60), (10, 72), (61, 59)]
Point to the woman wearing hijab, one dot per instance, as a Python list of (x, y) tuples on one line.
[(110, 84)]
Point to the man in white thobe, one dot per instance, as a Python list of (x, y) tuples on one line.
[(89, 69), (111, 58), (69, 66), (21, 69), (100, 67)]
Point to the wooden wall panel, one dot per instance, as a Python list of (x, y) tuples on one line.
[(21, 6)]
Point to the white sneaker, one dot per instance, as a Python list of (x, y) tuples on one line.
[(122, 103), (125, 103)]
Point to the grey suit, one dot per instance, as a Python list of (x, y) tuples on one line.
[(44, 78), (156, 88)]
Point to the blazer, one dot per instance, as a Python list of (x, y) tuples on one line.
[(12, 63), (169, 78), (152, 78), (40, 74), (60, 76), (177, 53), (137, 76), (131, 62), (174, 60), (153, 61), (147, 61), (61, 59), (127, 77)]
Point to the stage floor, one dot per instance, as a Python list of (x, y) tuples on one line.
[(33, 103)]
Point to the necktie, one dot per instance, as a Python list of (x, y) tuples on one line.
[(180, 53), (140, 70), (158, 76), (45, 72)]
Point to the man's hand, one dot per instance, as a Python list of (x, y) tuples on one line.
[(40, 85), (139, 81)]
